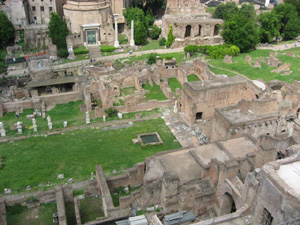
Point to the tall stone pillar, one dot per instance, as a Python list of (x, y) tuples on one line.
[(116, 31), (132, 34)]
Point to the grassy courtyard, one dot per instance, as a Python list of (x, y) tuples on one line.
[(38, 160), (154, 92), (241, 66), (33, 216), (90, 209), (174, 83)]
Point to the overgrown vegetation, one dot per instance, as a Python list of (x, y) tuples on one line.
[(171, 37), (192, 78), (155, 32), (152, 58), (111, 112), (162, 41), (174, 83), (90, 209), (7, 31), (123, 39)]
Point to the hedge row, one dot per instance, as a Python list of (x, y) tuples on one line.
[(214, 51), (107, 48), (81, 50)]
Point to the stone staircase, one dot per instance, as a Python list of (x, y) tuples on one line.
[(94, 51)]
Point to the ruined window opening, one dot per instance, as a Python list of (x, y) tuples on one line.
[(267, 217), (280, 155), (216, 30), (33, 8), (42, 8), (257, 97), (188, 29), (199, 115), (298, 113), (35, 18), (50, 9)]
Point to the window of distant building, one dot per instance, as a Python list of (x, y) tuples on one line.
[(33, 8), (50, 9), (42, 8)]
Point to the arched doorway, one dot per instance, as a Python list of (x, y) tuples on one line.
[(216, 29), (188, 29), (228, 205), (199, 32)]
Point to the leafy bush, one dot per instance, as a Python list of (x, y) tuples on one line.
[(155, 32), (63, 53), (111, 112), (162, 41), (107, 48), (168, 57), (81, 50), (123, 39), (151, 58)]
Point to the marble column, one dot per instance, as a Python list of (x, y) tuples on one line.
[(116, 31), (132, 34)]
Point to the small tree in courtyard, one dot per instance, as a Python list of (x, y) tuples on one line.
[(171, 37), (58, 32)]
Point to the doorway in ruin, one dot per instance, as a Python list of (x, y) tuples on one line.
[(188, 29), (280, 155), (199, 115), (228, 205), (298, 113), (267, 217), (216, 30), (199, 31)]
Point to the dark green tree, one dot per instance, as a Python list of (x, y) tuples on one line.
[(134, 14), (140, 33), (296, 3), (7, 31), (225, 11), (269, 26), (155, 32), (153, 5), (170, 38), (58, 32), (240, 29), (289, 20)]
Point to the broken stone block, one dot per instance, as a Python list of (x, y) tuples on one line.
[(227, 59), (257, 64), (248, 60), (283, 68)]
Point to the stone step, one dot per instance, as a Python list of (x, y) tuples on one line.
[(94, 51)]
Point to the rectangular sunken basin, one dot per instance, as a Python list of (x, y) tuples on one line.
[(150, 139)]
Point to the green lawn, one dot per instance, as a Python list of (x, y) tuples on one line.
[(155, 92), (239, 65), (220, 71), (192, 78), (38, 160), (119, 192), (90, 209), (154, 44), (42, 215), (174, 83), (78, 58), (128, 91)]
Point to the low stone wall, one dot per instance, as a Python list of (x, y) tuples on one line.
[(52, 100), (181, 76), (61, 209), (12, 106), (126, 201), (133, 177), (106, 196)]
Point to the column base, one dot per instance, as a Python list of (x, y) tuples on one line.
[(116, 44), (132, 43)]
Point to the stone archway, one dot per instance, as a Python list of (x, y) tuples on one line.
[(188, 29), (216, 29), (228, 204)]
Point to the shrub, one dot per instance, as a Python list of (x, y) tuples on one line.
[(111, 112), (107, 48), (81, 50), (155, 32), (123, 39), (162, 42), (63, 53), (151, 58)]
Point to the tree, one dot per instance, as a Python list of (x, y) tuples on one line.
[(289, 20), (140, 33), (134, 14), (269, 26), (153, 5), (58, 32), (155, 32), (7, 31), (225, 11), (295, 3), (171, 37), (240, 29)]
